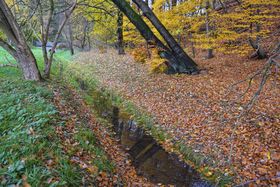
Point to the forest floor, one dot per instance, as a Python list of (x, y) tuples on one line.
[(203, 112), (48, 137), (75, 146)]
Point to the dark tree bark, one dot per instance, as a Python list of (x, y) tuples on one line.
[(256, 44), (173, 3), (70, 40), (173, 62), (89, 42), (259, 53), (20, 49), (84, 36), (120, 34), (223, 6), (207, 23), (68, 35), (179, 53)]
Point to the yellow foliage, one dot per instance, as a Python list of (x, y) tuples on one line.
[(140, 54), (105, 25), (151, 58), (228, 33), (156, 63)]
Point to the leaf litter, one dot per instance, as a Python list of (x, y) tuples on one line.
[(200, 111)]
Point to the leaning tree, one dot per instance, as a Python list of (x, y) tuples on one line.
[(177, 59)]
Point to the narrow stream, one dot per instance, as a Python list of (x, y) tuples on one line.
[(150, 159)]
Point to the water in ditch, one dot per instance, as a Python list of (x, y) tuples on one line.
[(151, 160)]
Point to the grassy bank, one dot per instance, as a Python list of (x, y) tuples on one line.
[(34, 135), (28, 143)]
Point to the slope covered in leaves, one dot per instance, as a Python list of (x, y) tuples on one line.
[(202, 111)]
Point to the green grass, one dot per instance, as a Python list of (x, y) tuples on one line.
[(5, 57), (28, 139), (11, 72), (87, 140), (27, 123)]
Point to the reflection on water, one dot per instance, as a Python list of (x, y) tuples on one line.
[(150, 159)]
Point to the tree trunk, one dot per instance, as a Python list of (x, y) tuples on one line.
[(179, 53), (45, 27), (192, 44), (70, 42), (174, 63), (89, 42), (207, 23), (259, 53), (184, 41), (120, 34), (48, 59), (84, 36), (28, 63), (21, 52)]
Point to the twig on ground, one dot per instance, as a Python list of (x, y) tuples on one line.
[(265, 72)]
